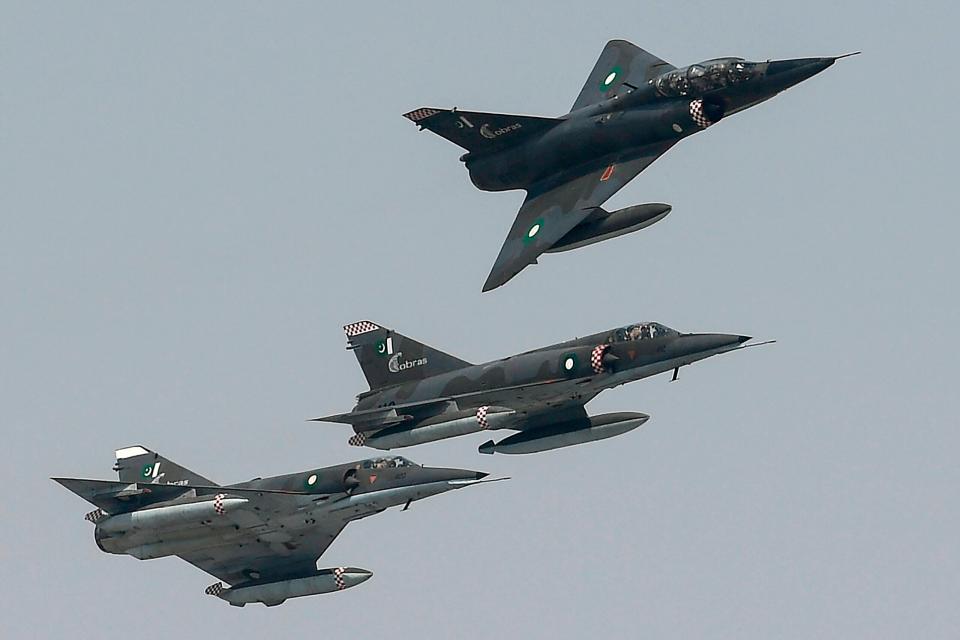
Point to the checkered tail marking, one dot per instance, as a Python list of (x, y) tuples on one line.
[(420, 114), (338, 578), (214, 590), (357, 328)]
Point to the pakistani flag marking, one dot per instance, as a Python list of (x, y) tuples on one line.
[(385, 347), (533, 231), (610, 79)]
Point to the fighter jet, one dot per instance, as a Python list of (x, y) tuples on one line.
[(262, 537), (631, 110), (420, 394)]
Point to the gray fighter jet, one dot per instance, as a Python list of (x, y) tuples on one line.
[(419, 394), (631, 110), (263, 537)]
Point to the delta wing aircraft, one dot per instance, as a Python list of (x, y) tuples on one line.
[(631, 110), (420, 394), (263, 537)]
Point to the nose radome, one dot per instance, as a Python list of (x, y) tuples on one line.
[(696, 342), (802, 67), (724, 339)]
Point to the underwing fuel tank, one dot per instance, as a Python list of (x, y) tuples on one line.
[(274, 593), (603, 226), (172, 516), (567, 434), (437, 428)]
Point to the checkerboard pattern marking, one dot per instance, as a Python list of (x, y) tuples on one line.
[(596, 357), (696, 113), (338, 578), (482, 417), (356, 328), (420, 114)]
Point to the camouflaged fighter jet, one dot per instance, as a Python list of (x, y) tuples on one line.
[(631, 110), (263, 537), (419, 394)]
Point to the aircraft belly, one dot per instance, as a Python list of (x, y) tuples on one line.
[(655, 368)]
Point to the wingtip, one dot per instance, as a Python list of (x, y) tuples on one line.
[(492, 283), (497, 279)]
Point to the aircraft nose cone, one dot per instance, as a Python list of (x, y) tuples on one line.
[(727, 339), (800, 68), (703, 342)]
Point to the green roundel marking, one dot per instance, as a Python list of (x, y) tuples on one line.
[(532, 232), (610, 78), (310, 481), (147, 471), (569, 362), (381, 347)]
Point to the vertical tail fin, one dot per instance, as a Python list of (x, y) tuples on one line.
[(139, 464), (389, 358), (479, 132)]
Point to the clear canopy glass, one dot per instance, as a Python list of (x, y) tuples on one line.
[(642, 331), (387, 462), (698, 79)]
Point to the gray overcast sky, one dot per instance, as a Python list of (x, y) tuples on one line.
[(194, 199)]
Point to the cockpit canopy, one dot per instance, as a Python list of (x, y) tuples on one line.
[(387, 462), (642, 331), (698, 79)]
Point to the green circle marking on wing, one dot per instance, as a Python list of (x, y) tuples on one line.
[(532, 232), (569, 362), (310, 481), (610, 78)]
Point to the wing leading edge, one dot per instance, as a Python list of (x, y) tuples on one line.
[(621, 67), (550, 212)]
